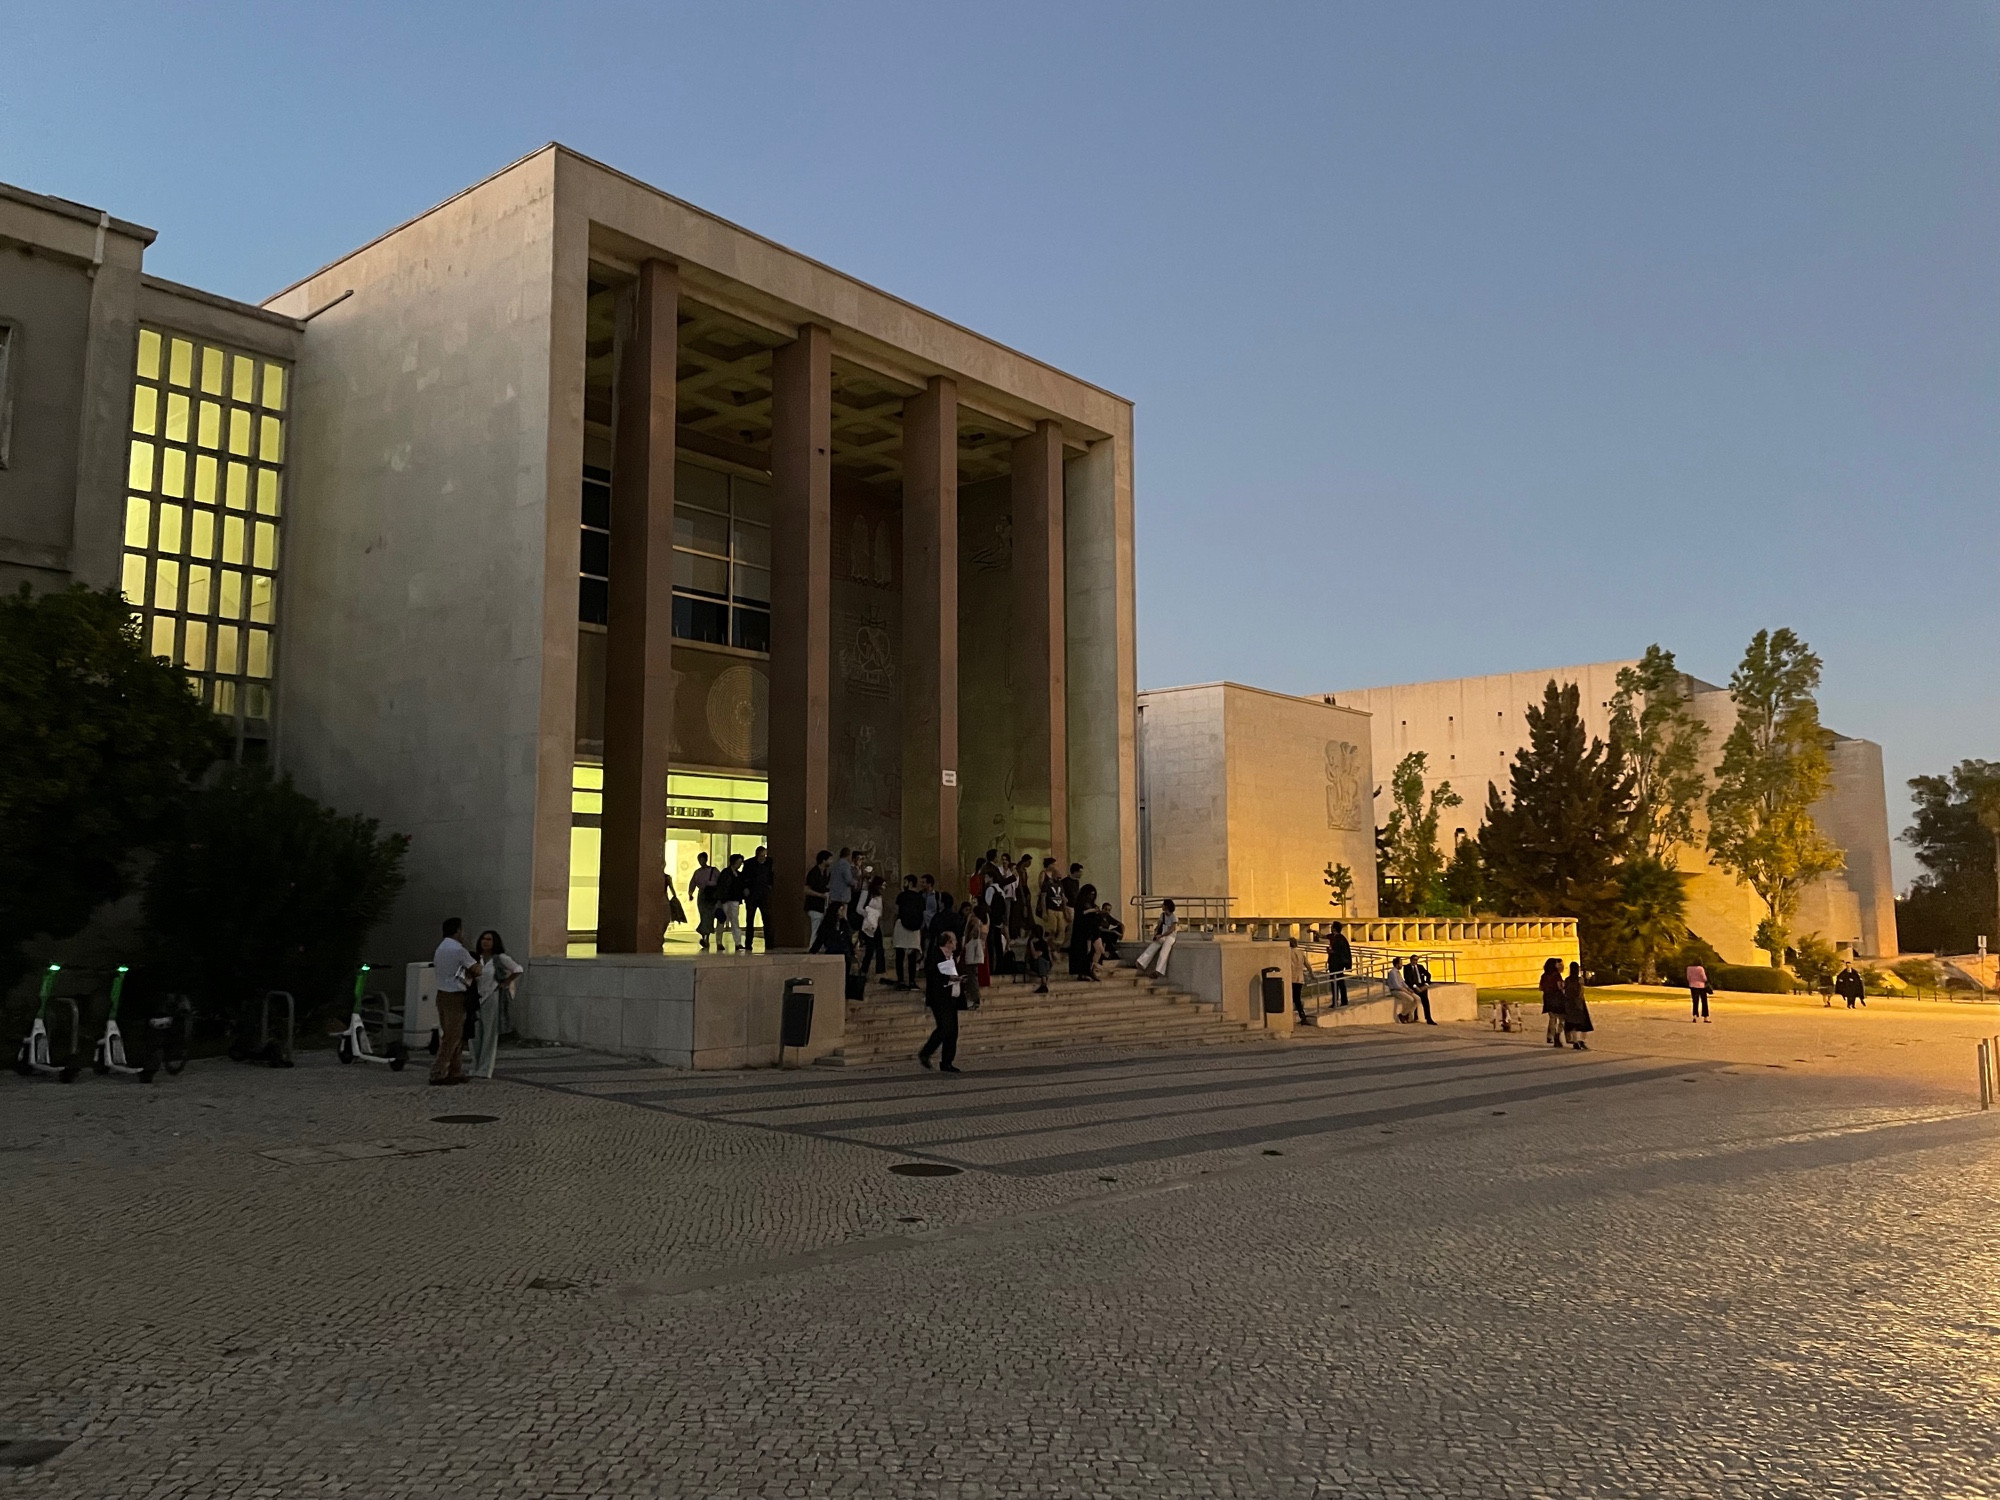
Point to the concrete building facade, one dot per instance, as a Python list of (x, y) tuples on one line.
[(1470, 729), (1253, 795), (606, 534)]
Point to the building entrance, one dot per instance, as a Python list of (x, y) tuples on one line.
[(714, 813)]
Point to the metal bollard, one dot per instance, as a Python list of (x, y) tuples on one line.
[(1985, 1075)]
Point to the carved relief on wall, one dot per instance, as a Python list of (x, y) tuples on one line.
[(869, 558), (867, 662), (996, 553), (1343, 785), (739, 714)]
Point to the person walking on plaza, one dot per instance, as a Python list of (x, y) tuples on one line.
[(1848, 984), (1083, 935), (1576, 1014), (676, 913), (702, 885), (1553, 1005), (1698, 991), (1295, 975), (1339, 962), (456, 970), (495, 989), (819, 879), (759, 880), (1418, 973), (908, 938), (729, 900), (941, 992), (1153, 957)]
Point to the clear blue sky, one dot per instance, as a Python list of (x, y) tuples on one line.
[(1464, 338)]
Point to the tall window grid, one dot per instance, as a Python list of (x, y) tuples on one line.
[(722, 558), (202, 515)]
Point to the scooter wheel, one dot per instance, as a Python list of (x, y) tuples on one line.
[(100, 1067), (346, 1050), (398, 1056), (145, 1075), (68, 1075)]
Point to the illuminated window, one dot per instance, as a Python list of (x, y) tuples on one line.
[(205, 481)]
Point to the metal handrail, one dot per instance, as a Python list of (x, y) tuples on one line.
[(1186, 908)]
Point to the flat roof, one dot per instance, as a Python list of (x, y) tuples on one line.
[(82, 212), (713, 218)]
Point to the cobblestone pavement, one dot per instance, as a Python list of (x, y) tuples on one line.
[(1753, 1258)]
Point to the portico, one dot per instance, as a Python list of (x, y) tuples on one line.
[(776, 558)]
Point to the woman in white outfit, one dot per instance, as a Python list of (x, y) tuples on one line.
[(497, 973), (1154, 959)]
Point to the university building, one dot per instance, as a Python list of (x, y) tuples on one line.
[(576, 532)]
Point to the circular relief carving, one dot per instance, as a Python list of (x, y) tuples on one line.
[(739, 714)]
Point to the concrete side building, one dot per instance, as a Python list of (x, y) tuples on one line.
[(1251, 795), (143, 431), (1470, 729)]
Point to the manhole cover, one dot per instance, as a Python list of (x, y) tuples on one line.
[(925, 1169), (551, 1284), (463, 1119), (1269, 1152), (25, 1453)]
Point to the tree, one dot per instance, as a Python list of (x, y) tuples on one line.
[(1646, 924), (1954, 837), (1815, 961), (1663, 739), (1552, 848), (1408, 859), (101, 743), (264, 888), (1339, 887), (1465, 878), (1775, 765)]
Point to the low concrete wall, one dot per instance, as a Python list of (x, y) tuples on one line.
[(1226, 970), (707, 1011), (1449, 1002)]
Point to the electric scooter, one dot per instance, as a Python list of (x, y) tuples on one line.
[(34, 1056), (110, 1056), (354, 1040)]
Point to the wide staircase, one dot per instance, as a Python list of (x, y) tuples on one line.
[(1121, 1009)]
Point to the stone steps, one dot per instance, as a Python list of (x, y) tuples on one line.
[(1122, 1009)]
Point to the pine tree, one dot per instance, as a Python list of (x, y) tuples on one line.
[(1553, 847), (1775, 765), (1663, 739)]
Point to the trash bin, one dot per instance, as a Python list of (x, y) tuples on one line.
[(795, 1024), (1274, 992)]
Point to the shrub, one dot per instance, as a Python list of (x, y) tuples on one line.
[(1693, 950), (101, 744), (266, 889), (1814, 961), (1922, 972), (1752, 979)]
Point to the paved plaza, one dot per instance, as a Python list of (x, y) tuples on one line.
[(1751, 1258)]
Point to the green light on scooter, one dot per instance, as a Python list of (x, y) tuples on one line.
[(49, 981), (360, 976)]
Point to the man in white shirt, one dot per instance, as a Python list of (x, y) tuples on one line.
[(456, 972)]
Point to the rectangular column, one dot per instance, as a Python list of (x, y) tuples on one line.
[(1040, 679), (801, 618), (638, 677), (930, 634)]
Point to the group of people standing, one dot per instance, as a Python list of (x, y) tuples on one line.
[(1563, 1005), (473, 988)]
